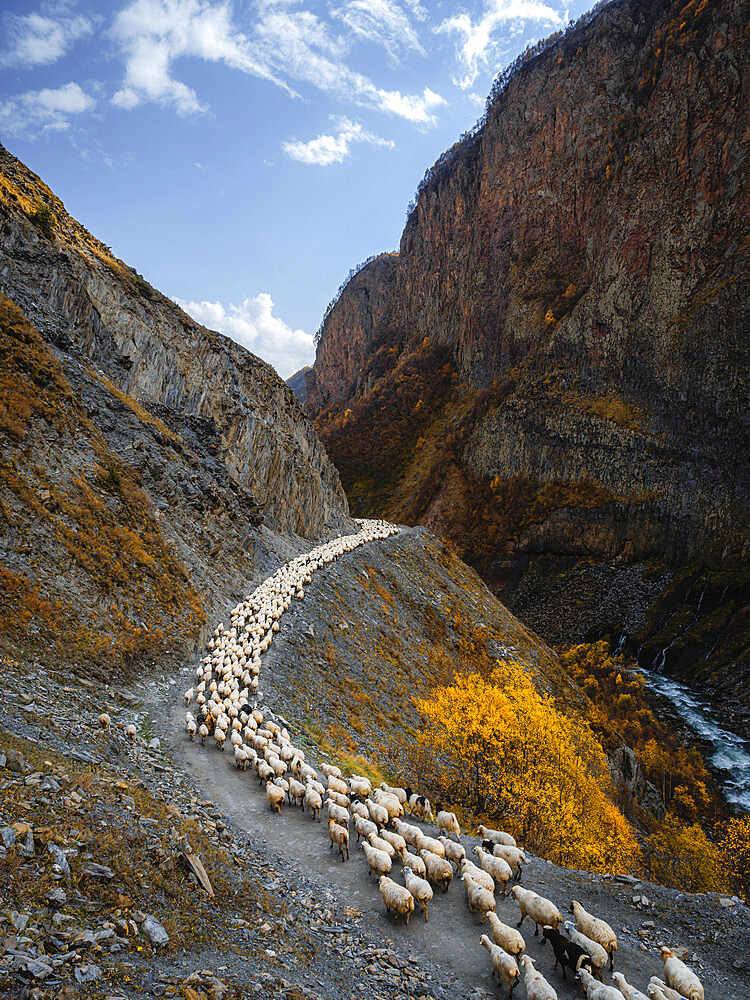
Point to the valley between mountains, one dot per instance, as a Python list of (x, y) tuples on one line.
[(458, 556)]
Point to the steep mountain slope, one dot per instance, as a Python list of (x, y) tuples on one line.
[(90, 304), (298, 383), (552, 372), (148, 467)]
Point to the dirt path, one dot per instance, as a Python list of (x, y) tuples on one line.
[(299, 846)]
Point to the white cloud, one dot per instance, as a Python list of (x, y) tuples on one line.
[(39, 111), (282, 44), (410, 106), (479, 45), (253, 325), (326, 149), (384, 22), (39, 40), (155, 33)]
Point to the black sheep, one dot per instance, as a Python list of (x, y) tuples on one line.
[(566, 952)]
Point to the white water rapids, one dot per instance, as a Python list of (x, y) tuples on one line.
[(729, 752)]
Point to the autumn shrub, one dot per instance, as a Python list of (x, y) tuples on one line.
[(504, 752), (682, 857), (735, 854)]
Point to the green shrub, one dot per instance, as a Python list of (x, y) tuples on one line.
[(44, 219)]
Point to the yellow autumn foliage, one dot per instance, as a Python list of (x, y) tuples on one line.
[(506, 753), (684, 858), (735, 851)]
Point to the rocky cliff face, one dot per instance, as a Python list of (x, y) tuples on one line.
[(298, 383), (150, 469), (88, 303), (565, 324)]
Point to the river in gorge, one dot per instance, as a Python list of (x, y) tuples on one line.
[(724, 750)]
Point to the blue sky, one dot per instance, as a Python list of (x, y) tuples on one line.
[(243, 156)]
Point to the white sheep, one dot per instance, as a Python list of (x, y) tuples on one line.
[(468, 867), (595, 990), (439, 871), (339, 799), (203, 732), (400, 793), (508, 938), (655, 993), (594, 950), (390, 803), (513, 855), (680, 977), (503, 965), (479, 898), (378, 814), (331, 771), (338, 835), (628, 991), (419, 887), (536, 986), (338, 813), (454, 852), (595, 929), (364, 827), (411, 834), (297, 791), (415, 863), (396, 841), (337, 785), (360, 809), (382, 845), (396, 897), (498, 868), (104, 722), (430, 844), (447, 823), (189, 696), (130, 732), (661, 986), (541, 910), (360, 786), (377, 861), (275, 796), (496, 836), (313, 802)]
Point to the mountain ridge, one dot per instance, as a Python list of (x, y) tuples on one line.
[(560, 339)]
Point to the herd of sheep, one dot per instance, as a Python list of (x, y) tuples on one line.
[(226, 696)]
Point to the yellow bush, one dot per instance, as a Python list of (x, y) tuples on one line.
[(735, 854), (507, 752), (684, 858)]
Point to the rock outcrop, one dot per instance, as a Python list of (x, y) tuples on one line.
[(298, 383), (562, 336)]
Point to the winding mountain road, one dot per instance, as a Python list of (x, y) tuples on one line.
[(299, 846)]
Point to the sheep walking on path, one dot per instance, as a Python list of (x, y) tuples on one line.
[(680, 977), (596, 929), (420, 888), (595, 990), (536, 986), (503, 965), (396, 897), (339, 836), (542, 911)]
